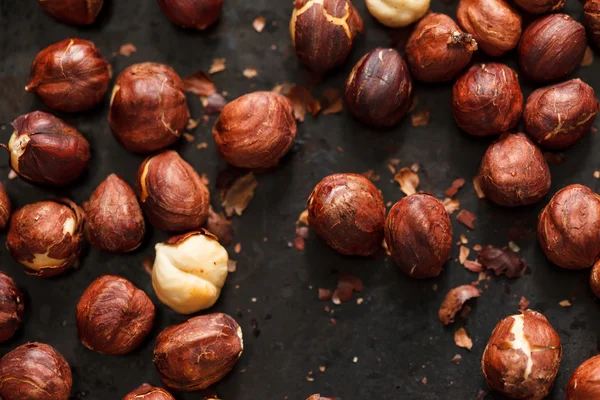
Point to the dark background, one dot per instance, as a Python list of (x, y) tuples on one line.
[(395, 333)]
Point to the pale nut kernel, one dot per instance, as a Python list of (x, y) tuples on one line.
[(397, 13)]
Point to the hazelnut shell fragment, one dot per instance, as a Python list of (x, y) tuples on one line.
[(454, 301), (585, 381), (74, 12), (5, 207), (197, 14), (149, 392), (11, 307)]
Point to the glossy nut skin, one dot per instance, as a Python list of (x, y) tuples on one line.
[(148, 109), (323, 32), (171, 193), (552, 48), (149, 392), (569, 228), (379, 89), (196, 14), (592, 20), (74, 12), (595, 279), (348, 213), (418, 234), (113, 316), (46, 237), (585, 381), (541, 6), (512, 367), (47, 371), (11, 307), (46, 150), (256, 130), (513, 172), (71, 75), (199, 352), (5, 207), (487, 100), (495, 24)]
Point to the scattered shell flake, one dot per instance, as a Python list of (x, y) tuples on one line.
[(218, 65), (462, 339), (250, 73), (258, 24), (408, 181)]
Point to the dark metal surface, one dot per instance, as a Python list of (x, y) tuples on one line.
[(395, 334)]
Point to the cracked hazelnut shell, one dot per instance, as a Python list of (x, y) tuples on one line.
[(149, 392), (418, 233), (347, 212), (148, 109), (585, 381), (71, 75), (196, 14), (592, 20), (522, 357), (199, 352), (74, 12), (256, 130), (11, 307), (541, 6), (5, 207)]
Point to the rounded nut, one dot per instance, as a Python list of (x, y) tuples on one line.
[(74, 12), (541, 6), (148, 109), (197, 14), (190, 271), (585, 381), (11, 307), (198, 353), (379, 88), (592, 20), (348, 213), (71, 75), (5, 207), (595, 279), (418, 234), (46, 150), (397, 13), (149, 392), (522, 357), (256, 130)]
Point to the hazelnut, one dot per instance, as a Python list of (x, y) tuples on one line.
[(198, 353), (148, 109), (379, 88), (115, 222), (171, 193), (74, 12), (348, 213), (113, 316), (148, 392), (487, 100), (541, 6), (495, 24), (513, 171), (585, 381), (595, 279), (70, 76), (46, 150), (437, 50), (569, 228), (5, 207), (397, 13), (190, 271), (256, 130), (323, 32), (11, 307), (197, 14), (418, 234), (318, 397), (46, 237), (35, 371), (552, 47), (592, 20), (522, 357)]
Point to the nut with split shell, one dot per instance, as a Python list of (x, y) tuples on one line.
[(11, 307), (196, 14), (74, 12), (585, 381)]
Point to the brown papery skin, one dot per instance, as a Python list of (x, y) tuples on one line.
[(541, 6), (198, 353), (323, 34), (504, 366), (5, 207), (552, 48), (418, 233), (149, 392), (585, 381), (196, 14), (592, 20), (347, 211), (569, 228), (454, 301), (495, 24), (513, 171), (487, 99), (171, 193), (256, 130), (35, 371), (148, 110), (113, 316), (11, 307), (74, 12), (55, 152), (71, 75), (379, 88), (430, 55)]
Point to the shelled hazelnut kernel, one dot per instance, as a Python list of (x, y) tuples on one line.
[(397, 13)]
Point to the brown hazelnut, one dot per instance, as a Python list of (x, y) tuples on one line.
[(318, 397), (5, 207), (148, 109), (74, 12), (149, 392), (552, 47), (522, 357), (513, 171), (198, 353), (113, 316), (379, 88), (418, 233), (495, 24), (595, 279), (585, 381), (541, 6), (71, 75), (46, 150), (569, 228), (256, 130), (11, 307), (35, 371), (592, 20), (171, 193), (348, 213), (323, 32), (197, 14), (487, 99), (437, 50)]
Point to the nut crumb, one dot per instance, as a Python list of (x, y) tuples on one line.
[(218, 65), (250, 73), (462, 339), (565, 303), (259, 24)]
